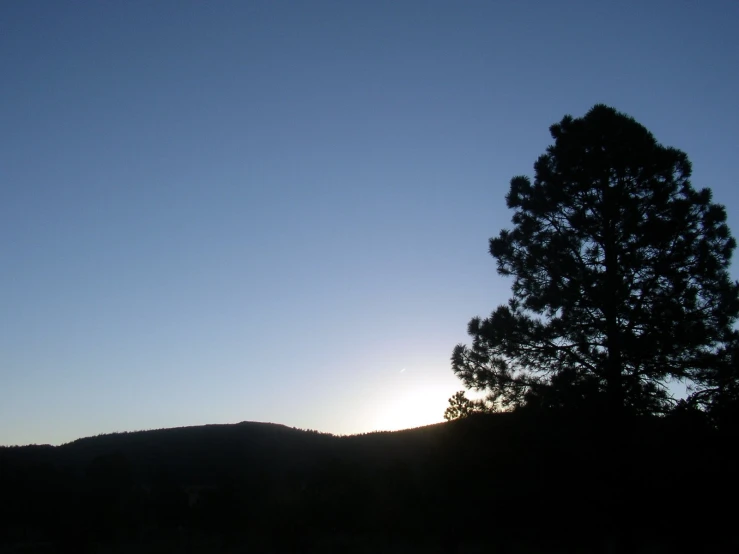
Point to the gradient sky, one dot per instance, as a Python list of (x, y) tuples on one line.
[(213, 212)]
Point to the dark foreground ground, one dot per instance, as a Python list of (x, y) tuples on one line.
[(508, 483)]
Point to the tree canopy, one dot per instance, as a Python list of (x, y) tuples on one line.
[(620, 279)]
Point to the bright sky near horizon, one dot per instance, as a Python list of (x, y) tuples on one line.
[(214, 212)]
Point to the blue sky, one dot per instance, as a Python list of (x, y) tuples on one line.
[(214, 212)]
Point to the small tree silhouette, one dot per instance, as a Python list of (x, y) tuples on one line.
[(461, 406)]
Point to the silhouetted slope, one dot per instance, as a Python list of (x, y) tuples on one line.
[(200, 453), (537, 479)]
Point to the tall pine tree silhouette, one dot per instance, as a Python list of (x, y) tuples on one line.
[(620, 277)]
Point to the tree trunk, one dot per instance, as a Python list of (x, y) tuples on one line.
[(611, 294)]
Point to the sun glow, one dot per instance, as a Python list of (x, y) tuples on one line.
[(412, 406)]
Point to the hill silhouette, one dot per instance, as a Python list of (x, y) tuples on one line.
[(488, 482)]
